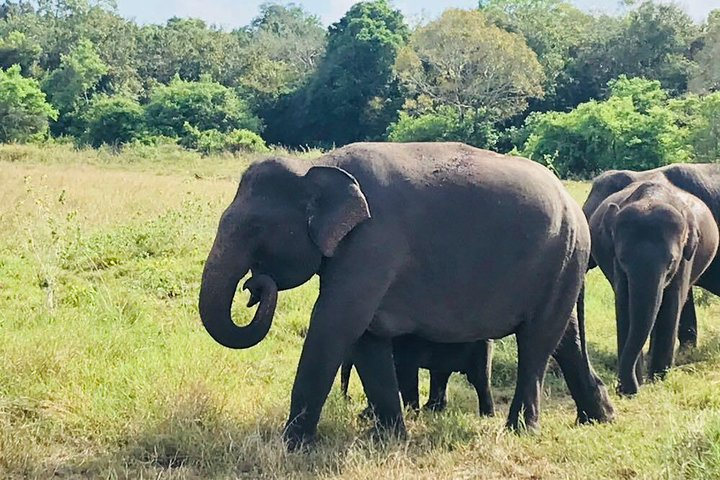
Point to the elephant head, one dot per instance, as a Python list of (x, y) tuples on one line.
[(284, 219), (652, 242)]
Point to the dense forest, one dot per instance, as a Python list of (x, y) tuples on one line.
[(577, 91)]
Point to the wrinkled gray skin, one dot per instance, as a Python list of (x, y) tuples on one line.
[(403, 235), (652, 241), (410, 353), (701, 180)]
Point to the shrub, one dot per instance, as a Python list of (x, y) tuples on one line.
[(214, 141), (24, 111), (444, 124), (633, 129), (113, 121), (207, 105)]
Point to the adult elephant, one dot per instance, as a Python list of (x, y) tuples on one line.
[(652, 242), (403, 235), (700, 180)]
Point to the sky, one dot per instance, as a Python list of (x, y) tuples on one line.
[(236, 13)]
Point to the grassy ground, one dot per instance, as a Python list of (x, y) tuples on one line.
[(105, 370)]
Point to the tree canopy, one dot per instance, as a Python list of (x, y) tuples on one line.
[(527, 75)]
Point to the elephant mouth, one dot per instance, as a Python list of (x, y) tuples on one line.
[(256, 285)]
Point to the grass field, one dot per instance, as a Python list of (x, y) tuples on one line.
[(105, 370)]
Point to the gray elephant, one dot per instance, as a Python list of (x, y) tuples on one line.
[(700, 180), (410, 353), (402, 235), (652, 241)]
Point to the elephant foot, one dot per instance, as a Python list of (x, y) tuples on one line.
[(520, 427), (435, 406), (487, 412), (383, 432), (627, 391), (367, 414), (296, 441), (597, 408)]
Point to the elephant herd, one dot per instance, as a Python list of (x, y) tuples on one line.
[(428, 251)]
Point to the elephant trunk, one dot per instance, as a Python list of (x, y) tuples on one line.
[(644, 296), (217, 290)]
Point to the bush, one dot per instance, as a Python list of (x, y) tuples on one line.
[(705, 129), (214, 141), (207, 105), (444, 124), (113, 121), (24, 112), (634, 129)]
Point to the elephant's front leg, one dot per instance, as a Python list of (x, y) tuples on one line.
[(339, 319), (373, 359)]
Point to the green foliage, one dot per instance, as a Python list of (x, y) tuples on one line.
[(554, 30), (706, 77), (488, 69), (204, 104), (285, 46), (113, 121), (189, 49), (353, 95), (444, 125), (17, 49), (704, 129), (213, 141), (24, 112), (79, 72), (633, 129)]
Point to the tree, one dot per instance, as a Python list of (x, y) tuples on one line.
[(353, 95), (187, 48), (72, 83), (464, 61), (704, 127), (652, 41), (285, 45), (706, 77), (17, 49), (24, 112), (204, 104), (553, 29)]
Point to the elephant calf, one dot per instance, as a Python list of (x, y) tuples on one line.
[(411, 353), (652, 241)]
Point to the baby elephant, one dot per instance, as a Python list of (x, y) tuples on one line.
[(411, 353), (652, 242)]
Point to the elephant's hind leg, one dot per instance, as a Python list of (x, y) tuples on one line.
[(536, 341), (586, 388)]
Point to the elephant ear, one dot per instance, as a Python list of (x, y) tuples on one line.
[(337, 205), (608, 222), (691, 243)]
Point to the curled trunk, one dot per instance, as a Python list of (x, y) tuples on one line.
[(217, 291)]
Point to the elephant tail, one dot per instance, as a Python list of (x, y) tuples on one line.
[(345, 377), (581, 321)]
